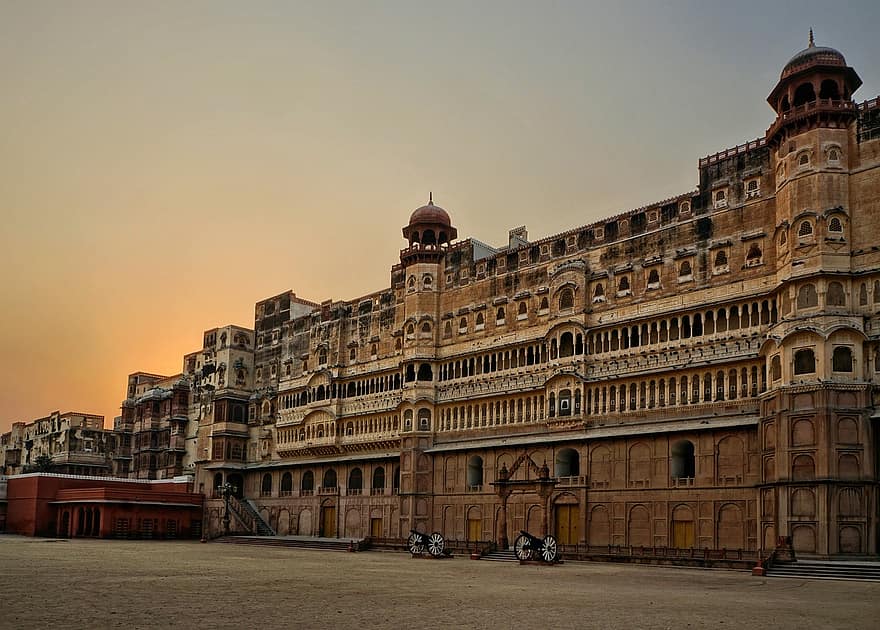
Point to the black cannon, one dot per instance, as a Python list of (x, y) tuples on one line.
[(419, 542), (528, 547)]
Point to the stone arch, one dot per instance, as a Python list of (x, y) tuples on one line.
[(803, 538), (850, 539), (639, 527), (353, 523), (770, 469), (599, 528), (731, 457), (848, 466), (803, 468), (803, 503), (731, 533), (639, 462), (283, 522), (802, 433), (847, 431), (600, 466), (535, 520), (567, 463), (849, 502)]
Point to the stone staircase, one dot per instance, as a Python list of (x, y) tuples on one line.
[(263, 528), (501, 555), (296, 542), (827, 570)]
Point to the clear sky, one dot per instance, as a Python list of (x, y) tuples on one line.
[(164, 165)]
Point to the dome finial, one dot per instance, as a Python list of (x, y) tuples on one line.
[(812, 43), (430, 198)]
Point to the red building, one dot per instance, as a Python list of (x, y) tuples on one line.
[(46, 504)]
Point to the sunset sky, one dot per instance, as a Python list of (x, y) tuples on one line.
[(164, 165)]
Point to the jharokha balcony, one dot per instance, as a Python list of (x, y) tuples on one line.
[(821, 107)]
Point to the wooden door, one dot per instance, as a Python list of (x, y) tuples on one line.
[(683, 534), (376, 527), (567, 518), (328, 522), (475, 529)]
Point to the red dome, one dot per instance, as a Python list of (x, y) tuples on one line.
[(430, 214)]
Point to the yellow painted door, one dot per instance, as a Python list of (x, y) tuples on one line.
[(376, 527), (474, 529), (567, 517), (328, 521), (683, 534)]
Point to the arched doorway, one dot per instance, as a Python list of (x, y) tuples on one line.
[(567, 516), (237, 481), (328, 521), (682, 527)]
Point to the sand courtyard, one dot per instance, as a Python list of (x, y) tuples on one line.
[(121, 584)]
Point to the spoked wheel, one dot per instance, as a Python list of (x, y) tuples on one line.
[(549, 549), (436, 544), (414, 542), (522, 548)]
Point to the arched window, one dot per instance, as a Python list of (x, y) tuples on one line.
[(804, 159), (522, 310), (805, 229), (754, 255), (545, 305), (427, 281), (685, 269), (721, 259), (775, 368), (424, 419), (481, 321), (425, 373), (623, 285), (653, 278), (566, 344), (266, 486), (499, 316), (565, 402), (842, 359), (329, 478), (355, 481), (410, 329), (411, 283), (462, 325), (835, 295), (807, 296), (804, 361), (567, 463), (378, 479), (447, 330), (834, 225), (426, 329), (863, 294), (752, 188), (828, 89), (684, 207), (720, 198), (683, 461), (286, 484), (833, 155), (804, 94), (599, 291), (566, 299), (475, 472)]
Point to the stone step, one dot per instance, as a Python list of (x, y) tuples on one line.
[(813, 570), (501, 556), (301, 542)]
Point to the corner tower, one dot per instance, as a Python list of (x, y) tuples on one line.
[(815, 428), (429, 233)]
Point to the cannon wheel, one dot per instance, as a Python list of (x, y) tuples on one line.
[(414, 542), (521, 547), (436, 544), (549, 549)]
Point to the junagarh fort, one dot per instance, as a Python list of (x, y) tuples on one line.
[(701, 372)]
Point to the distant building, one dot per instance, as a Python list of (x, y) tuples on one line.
[(70, 443)]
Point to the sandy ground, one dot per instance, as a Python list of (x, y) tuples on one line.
[(120, 584)]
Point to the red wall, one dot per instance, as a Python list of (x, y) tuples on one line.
[(30, 509)]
